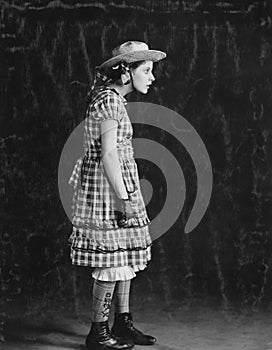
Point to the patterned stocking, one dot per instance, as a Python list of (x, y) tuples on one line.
[(122, 296), (102, 297)]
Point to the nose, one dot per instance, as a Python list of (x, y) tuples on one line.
[(152, 78)]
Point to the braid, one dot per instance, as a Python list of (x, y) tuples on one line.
[(100, 81)]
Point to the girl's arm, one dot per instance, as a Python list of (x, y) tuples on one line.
[(110, 157)]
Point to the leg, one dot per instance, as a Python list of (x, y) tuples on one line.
[(99, 337), (123, 324), (102, 297), (122, 291)]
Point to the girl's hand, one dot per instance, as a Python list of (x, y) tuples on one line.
[(128, 217)]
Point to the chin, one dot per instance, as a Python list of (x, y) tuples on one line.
[(143, 91)]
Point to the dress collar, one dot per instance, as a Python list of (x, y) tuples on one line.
[(124, 100)]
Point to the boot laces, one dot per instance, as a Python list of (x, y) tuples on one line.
[(103, 332)]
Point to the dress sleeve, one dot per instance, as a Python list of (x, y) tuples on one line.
[(109, 106)]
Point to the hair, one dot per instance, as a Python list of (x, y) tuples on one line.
[(114, 73), (104, 77)]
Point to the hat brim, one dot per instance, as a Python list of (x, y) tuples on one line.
[(143, 55)]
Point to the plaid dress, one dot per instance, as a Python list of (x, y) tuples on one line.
[(96, 239)]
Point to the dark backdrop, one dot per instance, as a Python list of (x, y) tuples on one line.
[(217, 75)]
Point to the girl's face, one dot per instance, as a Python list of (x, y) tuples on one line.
[(143, 77)]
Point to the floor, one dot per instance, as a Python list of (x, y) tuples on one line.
[(176, 328)]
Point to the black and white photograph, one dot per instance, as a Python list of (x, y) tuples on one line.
[(136, 175)]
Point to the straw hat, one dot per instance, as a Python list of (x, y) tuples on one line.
[(132, 51)]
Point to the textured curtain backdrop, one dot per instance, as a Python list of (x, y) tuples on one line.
[(217, 75)]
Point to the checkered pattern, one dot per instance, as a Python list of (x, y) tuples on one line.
[(96, 239), (122, 290)]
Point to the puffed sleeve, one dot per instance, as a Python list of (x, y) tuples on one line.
[(109, 106)]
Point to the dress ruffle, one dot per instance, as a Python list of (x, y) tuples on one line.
[(111, 240), (108, 224), (112, 248), (122, 273)]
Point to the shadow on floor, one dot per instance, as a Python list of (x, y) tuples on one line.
[(175, 327)]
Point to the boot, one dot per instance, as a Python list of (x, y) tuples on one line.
[(123, 327), (99, 338)]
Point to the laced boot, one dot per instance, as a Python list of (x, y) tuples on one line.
[(123, 328), (99, 338)]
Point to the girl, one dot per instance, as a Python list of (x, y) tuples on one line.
[(110, 223)]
